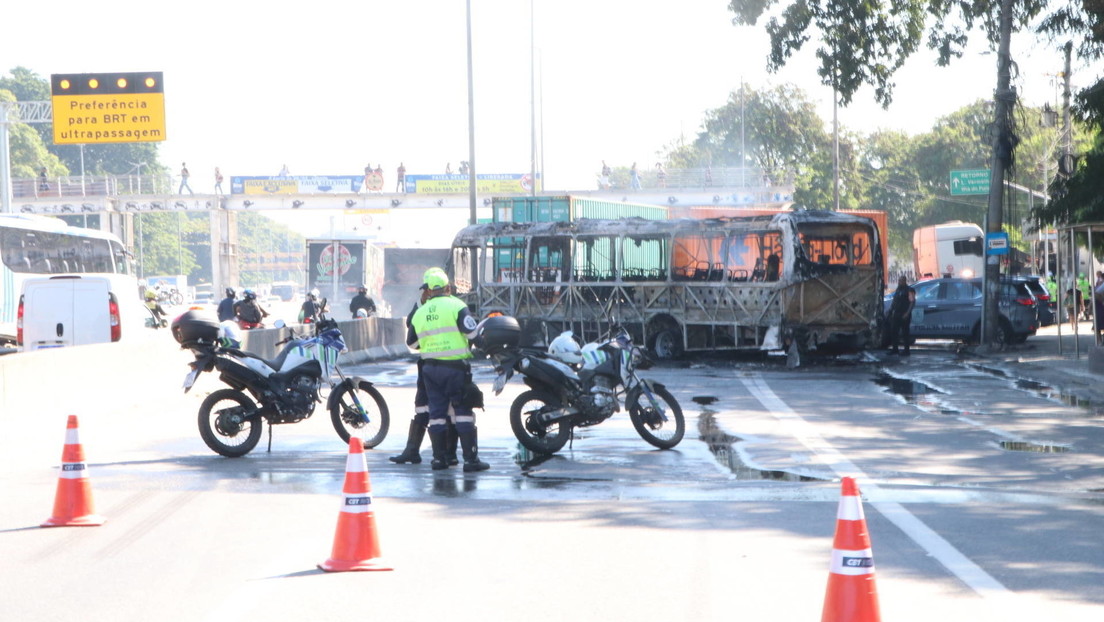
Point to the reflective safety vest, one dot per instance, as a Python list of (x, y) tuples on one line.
[(438, 336)]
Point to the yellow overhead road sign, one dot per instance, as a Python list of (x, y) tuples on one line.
[(108, 107)]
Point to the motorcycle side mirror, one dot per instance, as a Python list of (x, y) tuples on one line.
[(322, 304), (279, 324)]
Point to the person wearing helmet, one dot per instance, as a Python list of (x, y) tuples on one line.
[(420, 420), (226, 305), (361, 302), (308, 312), (441, 330), (249, 312), (154, 306)]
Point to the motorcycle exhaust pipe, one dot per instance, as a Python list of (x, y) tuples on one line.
[(548, 418)]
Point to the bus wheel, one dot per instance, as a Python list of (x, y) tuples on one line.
[(667, 344)]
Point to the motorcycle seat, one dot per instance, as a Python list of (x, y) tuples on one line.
[(275, 363)]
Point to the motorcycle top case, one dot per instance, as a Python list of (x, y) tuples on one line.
[(497, 332), (196, 328)]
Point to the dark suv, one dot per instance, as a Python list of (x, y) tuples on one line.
[(1042, 296), (950, 308)]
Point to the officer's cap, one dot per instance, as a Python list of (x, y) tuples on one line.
[(435, 278)]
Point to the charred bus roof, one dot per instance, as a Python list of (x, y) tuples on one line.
[(476, 235)]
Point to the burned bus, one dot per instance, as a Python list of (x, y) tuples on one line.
[(800, 279)]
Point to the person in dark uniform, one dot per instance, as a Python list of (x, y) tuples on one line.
[(900, 315), (309, 310), (441, 330), (420, 420), (362, 301), (226, 306)]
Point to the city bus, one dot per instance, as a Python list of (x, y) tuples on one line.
[(36, 246), (801, 279)]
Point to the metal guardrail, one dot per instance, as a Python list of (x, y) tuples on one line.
[(90, 186), (650, 179)]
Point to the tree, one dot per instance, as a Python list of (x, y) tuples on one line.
[(886, 166), (28, 153), (863, 42), (879, 37), (776, 130), (161, 247), (259, 235)]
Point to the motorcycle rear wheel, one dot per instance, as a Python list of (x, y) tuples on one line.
[(648, 423), (541, 440), (347, 419), (230, 430)]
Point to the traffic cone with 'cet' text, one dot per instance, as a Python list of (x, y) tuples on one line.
[(73, 501), (852, 595), (356, 543)]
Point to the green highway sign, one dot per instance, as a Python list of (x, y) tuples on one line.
[(970, 182)]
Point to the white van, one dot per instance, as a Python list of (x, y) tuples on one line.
[(71, 310)]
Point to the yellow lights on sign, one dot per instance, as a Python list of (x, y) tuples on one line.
[(108, 107)]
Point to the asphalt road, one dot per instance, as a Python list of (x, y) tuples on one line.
[(984, 499)]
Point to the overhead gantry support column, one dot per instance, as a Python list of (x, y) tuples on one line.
[(224, 250)]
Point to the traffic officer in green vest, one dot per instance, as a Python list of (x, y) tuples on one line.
[(440, 330)]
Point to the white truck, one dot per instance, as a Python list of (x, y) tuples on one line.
[(951, 249)]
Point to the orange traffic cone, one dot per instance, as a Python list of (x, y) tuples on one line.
[(356, 543), (852, 595), (73, 501)]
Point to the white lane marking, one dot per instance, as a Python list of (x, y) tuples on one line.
[(959, 565)]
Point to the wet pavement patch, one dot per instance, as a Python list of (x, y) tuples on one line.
[(1065, 397), (912, 390), (720, 445), (1041, 389), (1033, 447)]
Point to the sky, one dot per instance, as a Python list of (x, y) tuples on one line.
[(330, 86)]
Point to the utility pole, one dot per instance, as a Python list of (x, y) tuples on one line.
[(532, 103), (471, 126), (1004, 98)]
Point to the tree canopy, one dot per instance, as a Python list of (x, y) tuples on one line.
[(864, 42), (867, 41)]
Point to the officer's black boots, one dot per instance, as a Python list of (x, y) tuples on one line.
[(469, 441), (451, 439), (437, 438), (413, 444)]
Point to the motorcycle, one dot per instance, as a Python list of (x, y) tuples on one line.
[(285, 389), (582, 387)]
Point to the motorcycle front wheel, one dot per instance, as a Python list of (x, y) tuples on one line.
[(345, 411), (649, 422), (228, 423), (541, 439)]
